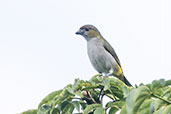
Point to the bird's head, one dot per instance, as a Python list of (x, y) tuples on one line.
[(88, 32)]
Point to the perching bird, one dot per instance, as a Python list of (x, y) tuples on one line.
[(101, 53)]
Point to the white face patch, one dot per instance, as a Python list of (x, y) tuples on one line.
[(86, 33)]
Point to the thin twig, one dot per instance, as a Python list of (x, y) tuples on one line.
[(161, 98), (102, 97), (78, 98), (91, 97), (97, 75), (100, 94)]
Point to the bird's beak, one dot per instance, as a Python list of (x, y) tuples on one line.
[(79, 32)]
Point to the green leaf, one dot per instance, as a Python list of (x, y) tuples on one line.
[(91, 107), (56, 111), (44, 109), (124, 109), (162, 82), (99, 110), (167, 91), (141, 94), (160, 111), (114, 82), (135, 99), (125, 91), (89, 86), (144, 108), (79, 93), (151, 109), (112, 111), (167, 110), (67, 108), (94, 80), (168, 82), (114, 106), (34, 111), (117, 93), (76, 83), (76, 105), (117, 104), (106, 83), (50, 97), (95, 95), (83, 104), (158, 103), (152, 98), (156, 84), (70, 90), (63, 96), (164, 110), (130, 102)]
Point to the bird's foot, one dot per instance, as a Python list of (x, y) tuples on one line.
[(105, 75), (108, 74)]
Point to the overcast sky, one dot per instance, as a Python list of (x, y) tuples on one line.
[(40, 53)]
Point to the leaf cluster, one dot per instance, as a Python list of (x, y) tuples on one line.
[(87, 97)]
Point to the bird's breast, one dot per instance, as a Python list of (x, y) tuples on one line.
[(101, 60)]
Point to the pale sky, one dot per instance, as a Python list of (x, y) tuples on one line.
[(40, 53)]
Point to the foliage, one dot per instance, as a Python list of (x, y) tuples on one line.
[(86, 97)]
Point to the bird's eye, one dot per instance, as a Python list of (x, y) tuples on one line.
[(86, 29)]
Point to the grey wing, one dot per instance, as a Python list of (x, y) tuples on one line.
[(109, 49)]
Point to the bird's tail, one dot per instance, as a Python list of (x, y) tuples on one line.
[(126, 81)]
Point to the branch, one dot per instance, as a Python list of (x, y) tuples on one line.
[(100, 94), (161, 98), (91, 97)]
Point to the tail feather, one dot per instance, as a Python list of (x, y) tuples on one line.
[(126, 81)]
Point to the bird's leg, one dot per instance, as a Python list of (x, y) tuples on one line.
[(110, 72), (105, 75)]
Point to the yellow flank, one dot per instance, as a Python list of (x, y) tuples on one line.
[(119, 72)]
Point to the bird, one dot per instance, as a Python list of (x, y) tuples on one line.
[(101, 54)]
